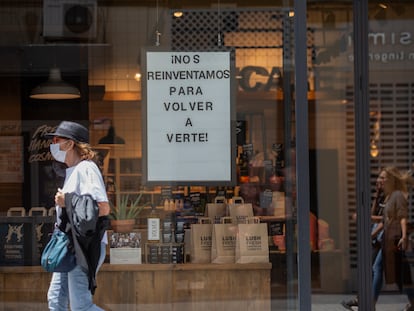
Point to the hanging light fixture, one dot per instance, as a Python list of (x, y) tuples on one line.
[(55, 88), (111, 138)]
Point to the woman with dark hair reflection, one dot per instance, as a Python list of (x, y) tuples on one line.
[(395, 242)]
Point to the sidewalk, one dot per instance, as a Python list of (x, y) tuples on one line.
[(386, 302), (320, 302)]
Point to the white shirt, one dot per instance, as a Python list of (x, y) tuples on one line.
[(85, 178)]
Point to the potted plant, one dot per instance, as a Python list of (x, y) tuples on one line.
[(124, 212)]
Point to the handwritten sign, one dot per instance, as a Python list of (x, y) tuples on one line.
[(46, 174), (39, 145), (188, 117)]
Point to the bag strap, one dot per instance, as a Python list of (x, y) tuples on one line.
[(204, 220), (12, 210), (226, 220), (253, 220), (65, 225), (38, 209), (237, 200), (220, 199)]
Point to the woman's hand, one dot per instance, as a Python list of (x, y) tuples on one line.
[(402, 244), (60, 198), (103, 208)]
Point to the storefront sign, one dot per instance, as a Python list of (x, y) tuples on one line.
[(390, 46), (39, 145), (188, 117)]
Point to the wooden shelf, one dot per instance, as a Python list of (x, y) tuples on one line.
[(123, 175), (199, 286)]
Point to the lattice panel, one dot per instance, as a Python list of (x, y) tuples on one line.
[(240, 29), (392, 130)]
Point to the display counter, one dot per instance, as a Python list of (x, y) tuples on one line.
[(151, 287)]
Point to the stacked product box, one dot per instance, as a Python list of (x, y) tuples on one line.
[(125, 248), (164, 253)]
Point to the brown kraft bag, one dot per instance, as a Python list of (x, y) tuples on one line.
[(201, 241), (240, 211), (216, 210), (223, 241), (252, 244)]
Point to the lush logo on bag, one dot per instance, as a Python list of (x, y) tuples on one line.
[(254, 243), (205, 242)]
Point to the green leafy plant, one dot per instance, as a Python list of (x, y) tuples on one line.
[(125, 208)]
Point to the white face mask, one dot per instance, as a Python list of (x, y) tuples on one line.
[(57, 154)]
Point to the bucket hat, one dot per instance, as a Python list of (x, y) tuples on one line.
[(71, 130)]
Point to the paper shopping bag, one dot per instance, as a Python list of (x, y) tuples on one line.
[(223, 244), (252, 245), (216, 210), (200, 245), (240, 211)]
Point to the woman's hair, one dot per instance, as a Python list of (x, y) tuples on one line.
[(86, 152), (399, 180)]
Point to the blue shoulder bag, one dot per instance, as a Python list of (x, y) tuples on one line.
[(56, 256)]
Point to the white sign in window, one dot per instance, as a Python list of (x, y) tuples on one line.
[(188, 117)]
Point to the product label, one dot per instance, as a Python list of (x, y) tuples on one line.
[(153, 229)]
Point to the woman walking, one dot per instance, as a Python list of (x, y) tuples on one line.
[(83, 189), (395, 243)]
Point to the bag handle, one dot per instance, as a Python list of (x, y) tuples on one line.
[(220, 199), (204, 220), (39, 209), (226, 220), (250, 220), (52, 211), (20, 210), (253, 220), (237, 200)]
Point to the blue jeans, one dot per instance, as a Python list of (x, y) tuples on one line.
[(377, 275), (72, 288)]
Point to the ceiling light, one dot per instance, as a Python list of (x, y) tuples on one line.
[(374, 150), (55, 88), (178, 14)]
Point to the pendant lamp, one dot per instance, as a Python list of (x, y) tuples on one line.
[(55, 88), (111, 138)]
